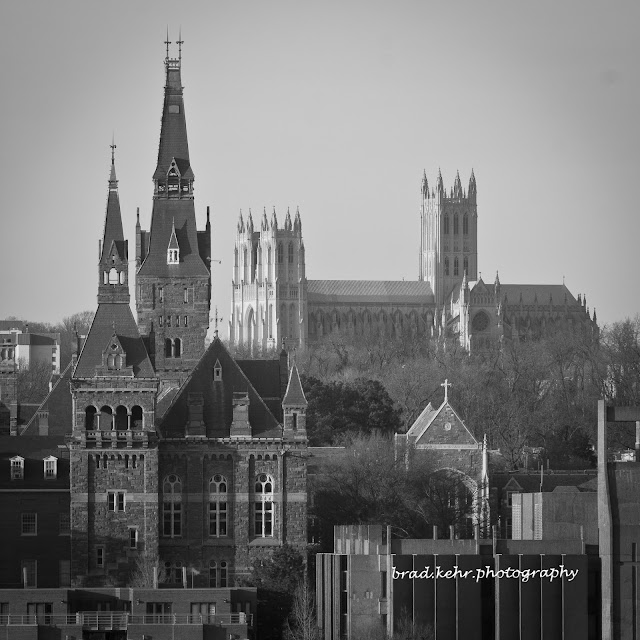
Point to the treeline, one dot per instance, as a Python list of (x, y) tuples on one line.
[(538, 394)]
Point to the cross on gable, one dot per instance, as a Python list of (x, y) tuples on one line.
[(446, 384)]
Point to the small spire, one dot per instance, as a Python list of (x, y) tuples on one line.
[(137, 216), (594, 315), (457, 186), (250, 222), (240, 223), (274, 219), (425, 184), (472, 185), (580, 299), (180, 42), (208, 219), (167, 42), (439, 183), (287, 221), (113, 182), (297, 222), (584, 300)]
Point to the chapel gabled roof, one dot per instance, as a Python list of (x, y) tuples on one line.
[(217, 398), (430, 428)]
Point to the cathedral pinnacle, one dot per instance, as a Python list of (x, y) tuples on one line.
[(274, 219), (425, 184), (287, 221), (265, 221), (250, 223), (240, 223), (297, 223), (457, 186)]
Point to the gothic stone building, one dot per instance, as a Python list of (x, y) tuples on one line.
[(176, 452), (272, 300)]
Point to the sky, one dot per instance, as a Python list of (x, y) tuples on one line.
[(335, 107)]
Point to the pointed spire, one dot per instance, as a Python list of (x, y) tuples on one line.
[(274, 219), (425, 185), (173, 239), (173, 131), (297, 222), (294, 394), (472, 186), (594, 316), (580, 299), (584, 300), (250, 223), (113, 265), (440, 184), (457, 186), (240, 223), (287, 221), (113, 182), (265, 221)]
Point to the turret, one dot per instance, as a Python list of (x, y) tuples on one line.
[(472, 187), (287, 222), (250, 224), (425, 185), (496, 286), (113, 276), (265, 222), (274, 220), (294, 408), (297, 222), (240, 223)]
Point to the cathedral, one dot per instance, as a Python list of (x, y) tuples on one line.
[(272, 299)]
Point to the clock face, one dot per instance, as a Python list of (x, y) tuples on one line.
[(480, 321), (447, 426)]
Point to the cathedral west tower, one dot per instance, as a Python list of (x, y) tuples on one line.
[(173, 277)]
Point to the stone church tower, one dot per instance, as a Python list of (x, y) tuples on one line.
[(173, 259), (269, 284), (114, 462), (448, 236)]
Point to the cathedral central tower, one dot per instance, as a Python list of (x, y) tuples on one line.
[(173, 279), (448, 236)]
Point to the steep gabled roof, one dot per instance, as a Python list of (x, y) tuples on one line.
[(217, 398), (294, 395), (112, 317), (442, 427), (168, 212), (58, 404)]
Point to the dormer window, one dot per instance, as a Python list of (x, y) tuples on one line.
[(217, 372), (50, 468), (173, 250), (173, 256), (17, 468)]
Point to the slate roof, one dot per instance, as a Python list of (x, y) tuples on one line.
[(7, 325), (369, 291), (113, 226), (34, 449), (543, 291), (167, 212), (173, 131), (551, 480), (428, 416), (59, 405), (294, 394), (218, 398), (108, 316)]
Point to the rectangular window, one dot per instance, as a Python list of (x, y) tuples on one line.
[(29, 573), (186, 295), (116, 500), (160, 320), (383, 584), (4, 613), (158, 613), (30, 524), (168, 321), (17, 468), (50, 468), (65, 573), (64, 523), (186, 321), (100, 557), (264, 519), (172, 519), (218, 519), (202, 611), (161, 294), (133, 538)]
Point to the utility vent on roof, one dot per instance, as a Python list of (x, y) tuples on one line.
[(174, 108)]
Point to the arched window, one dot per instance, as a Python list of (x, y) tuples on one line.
[(218, 574), (269, 255), (263, 506), (90, 418), (283, 321), (113, 276), (446, 265), (446, 224), (465, 262), (455, 225), (167, 348), (290, 251), (172, 506), (122, 418), (173, 572), (106, 418), (218, 506), (178, 347), (465, 225), (292, 323), (105, 278), (235, 257), (456, 266), (280, 253), (137, 420), (122, 277)]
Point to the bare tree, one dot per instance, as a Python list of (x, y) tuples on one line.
[(302, 623), (147, 570)]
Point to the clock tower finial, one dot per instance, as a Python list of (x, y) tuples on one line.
[(167, 42)]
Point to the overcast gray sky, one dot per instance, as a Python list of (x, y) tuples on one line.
[(335, 107)]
